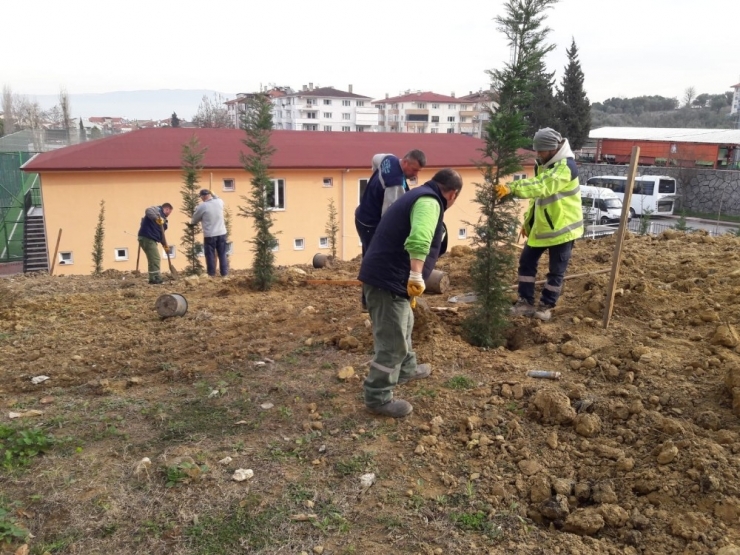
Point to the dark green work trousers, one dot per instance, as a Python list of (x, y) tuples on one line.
[(393, 322)]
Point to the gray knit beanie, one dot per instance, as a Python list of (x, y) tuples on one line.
[(547, 139)]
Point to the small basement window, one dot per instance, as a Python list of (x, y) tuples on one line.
[(277, 246), (328, 182), (66, 258), (230, 247), (518, 176), (299, 244), (323, 242), (121, 254), (462, 233), (229, 185), (171, 251)]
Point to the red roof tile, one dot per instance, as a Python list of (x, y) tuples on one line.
[(160, 148), (421, 97)]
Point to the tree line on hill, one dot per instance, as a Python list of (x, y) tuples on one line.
[(709, 111)]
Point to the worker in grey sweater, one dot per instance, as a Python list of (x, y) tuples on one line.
[(210, 213)]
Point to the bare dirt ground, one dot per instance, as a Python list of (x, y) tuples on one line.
[(635, 450)]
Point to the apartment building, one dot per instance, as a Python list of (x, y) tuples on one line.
[(735, 106), (429, 112), (324, 109), (236, 106)]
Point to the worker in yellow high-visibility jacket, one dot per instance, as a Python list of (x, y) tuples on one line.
[(552, 223)]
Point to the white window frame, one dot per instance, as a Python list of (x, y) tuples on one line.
[(360, 103), (311, 115), (346, 116), (346, 103), (346, 128), (327, 115), (229, 248), (299, 244), (229, 188), (171, 250), (276, 183), (276, 248), (327, 102), (120, 257), (434, 130), (323, 242), (450, 119), (519, 176), (328, 128), (328, 182), (462, 233), (421, 105), (359, 187), (66, 258), (435, 106)]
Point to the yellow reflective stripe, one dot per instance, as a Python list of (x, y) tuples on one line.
[(557, 196), (562, 231)]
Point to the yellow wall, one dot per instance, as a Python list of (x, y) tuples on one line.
[(71, 202)]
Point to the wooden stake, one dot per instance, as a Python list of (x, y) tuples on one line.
[(617, 256), (56, 251)]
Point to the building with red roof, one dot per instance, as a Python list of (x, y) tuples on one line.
[(429, 112), (132, 171)]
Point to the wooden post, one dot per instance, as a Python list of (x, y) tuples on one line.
[(56, 251), (617, 256)]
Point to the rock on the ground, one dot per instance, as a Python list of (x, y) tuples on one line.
[(667, 452), (690, 525), (587, 425), (554, 406), (555, 508), (614, 515), (732, 381), (725, 335), (584, 522)]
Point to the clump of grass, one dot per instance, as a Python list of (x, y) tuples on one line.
[(9, 530), (19, 445), (460, 382)]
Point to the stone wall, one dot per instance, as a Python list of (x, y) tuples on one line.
[(699, 190)]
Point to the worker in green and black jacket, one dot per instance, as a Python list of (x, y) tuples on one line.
[(552, 223)]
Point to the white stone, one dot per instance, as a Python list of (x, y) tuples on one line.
[(241, 474)]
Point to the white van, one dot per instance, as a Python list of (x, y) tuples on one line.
[(651, 194), (600, 206)]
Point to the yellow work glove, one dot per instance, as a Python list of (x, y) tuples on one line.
[(415, 286), (501, 191), (160, 221)]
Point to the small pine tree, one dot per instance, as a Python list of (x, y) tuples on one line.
[(97, 253), (505, 134), (332, 228), (257, 123), (644, 226), (192, 164), (575, 108), (681, 224), (174, 120)]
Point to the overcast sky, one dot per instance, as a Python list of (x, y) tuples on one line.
[(627, 47)]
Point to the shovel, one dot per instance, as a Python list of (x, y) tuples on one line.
[(173, 272), (138, 255)]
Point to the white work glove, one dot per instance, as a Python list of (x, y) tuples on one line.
[(415, 286)]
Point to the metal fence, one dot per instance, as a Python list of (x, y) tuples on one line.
[(14, 184), (638, 227)]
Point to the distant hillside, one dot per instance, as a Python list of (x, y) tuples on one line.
[(156, 104), (706, 112)]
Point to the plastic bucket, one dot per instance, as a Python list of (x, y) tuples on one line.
[(321, 261), (437, 282), (171, 305)]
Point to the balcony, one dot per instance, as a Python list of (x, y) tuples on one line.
[(469, 113)]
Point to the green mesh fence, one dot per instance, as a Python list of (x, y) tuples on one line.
[(13, 185)]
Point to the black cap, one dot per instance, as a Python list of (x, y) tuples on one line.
[(204, 192)]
